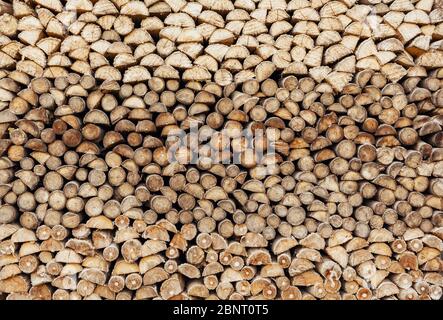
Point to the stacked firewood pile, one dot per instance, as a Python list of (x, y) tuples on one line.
[(315, 169)]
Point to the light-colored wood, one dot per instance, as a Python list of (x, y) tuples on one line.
[(230, 149)]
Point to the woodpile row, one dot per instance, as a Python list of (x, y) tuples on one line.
[(345, 203)]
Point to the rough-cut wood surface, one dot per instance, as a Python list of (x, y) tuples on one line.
[(317, 172)]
